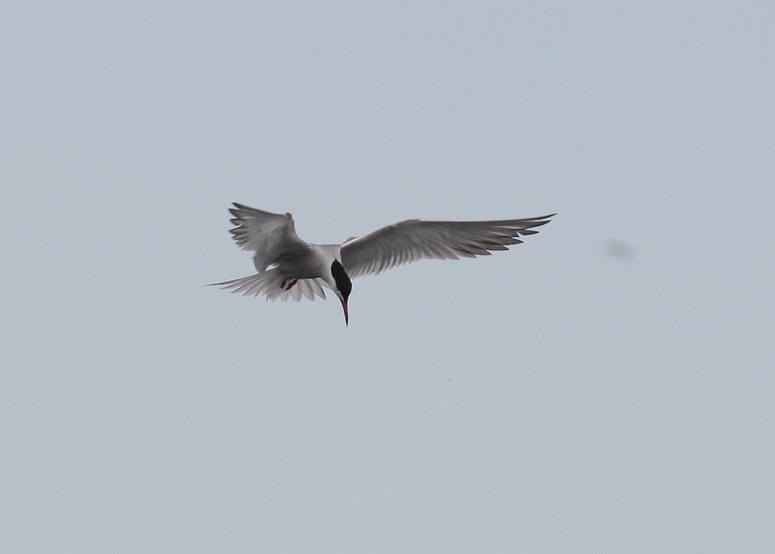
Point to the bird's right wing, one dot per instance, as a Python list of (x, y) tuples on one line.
[(267, 234), (415, 239)]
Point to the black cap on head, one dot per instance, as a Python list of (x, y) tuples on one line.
[(342, 280)]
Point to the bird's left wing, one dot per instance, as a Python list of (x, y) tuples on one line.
[(415, 239), (267, 234)]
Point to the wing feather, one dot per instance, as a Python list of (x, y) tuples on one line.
[(267, 234), (415, 239)]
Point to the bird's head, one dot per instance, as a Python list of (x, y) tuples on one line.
[(343, 286)]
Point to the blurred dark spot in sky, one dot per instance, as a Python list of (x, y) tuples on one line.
[(619, 250)]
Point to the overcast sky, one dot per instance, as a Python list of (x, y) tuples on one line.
[(608, 386)]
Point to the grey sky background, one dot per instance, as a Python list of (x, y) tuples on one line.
[(607, 386)]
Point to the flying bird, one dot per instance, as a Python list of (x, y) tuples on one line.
[(289, 267)]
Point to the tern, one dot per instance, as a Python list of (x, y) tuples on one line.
[(289, 267)]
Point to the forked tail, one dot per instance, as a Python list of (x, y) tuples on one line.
[(270, 284)]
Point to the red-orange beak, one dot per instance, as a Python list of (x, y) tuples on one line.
[(346, 314)]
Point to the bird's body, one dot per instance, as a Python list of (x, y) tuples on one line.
[(289, 267)]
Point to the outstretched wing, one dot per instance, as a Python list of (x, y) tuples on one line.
[(268, 235), (415, 239)]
